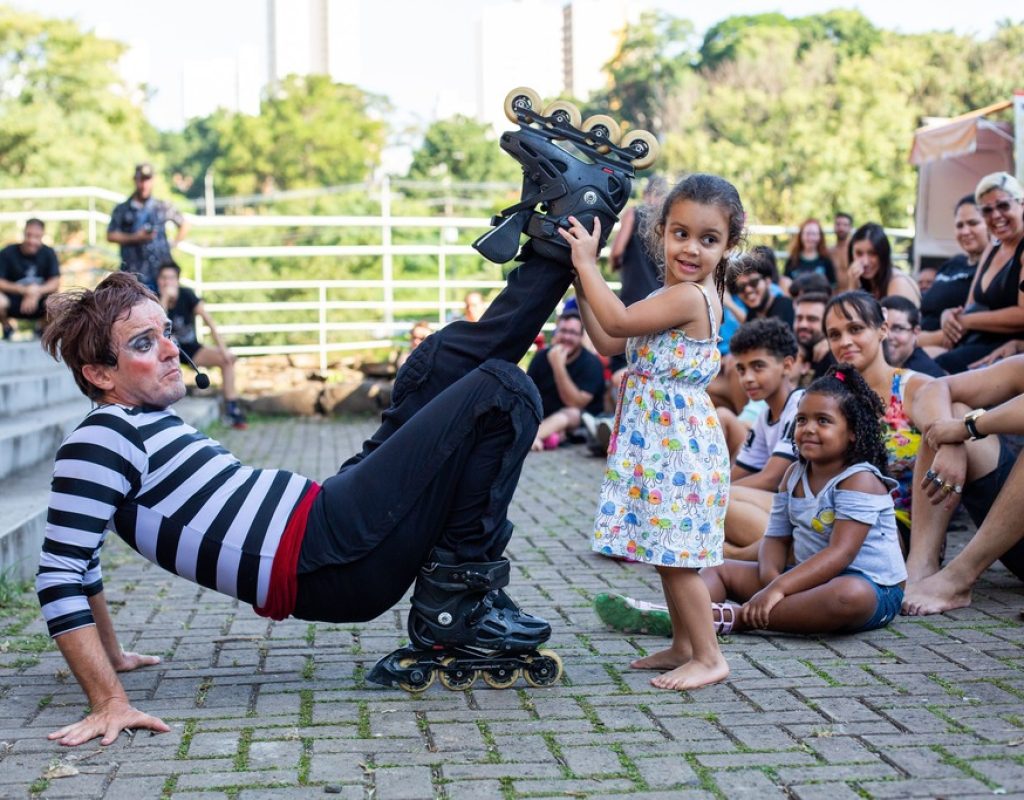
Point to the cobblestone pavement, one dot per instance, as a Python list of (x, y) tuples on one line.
[(930, 707)]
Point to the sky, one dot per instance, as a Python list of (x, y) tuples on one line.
[(414, 50)]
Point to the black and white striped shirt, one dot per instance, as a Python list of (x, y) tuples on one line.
[(176, 496)]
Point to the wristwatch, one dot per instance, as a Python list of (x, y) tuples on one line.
[(971, 423)]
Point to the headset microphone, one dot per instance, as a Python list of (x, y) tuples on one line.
[(202, 379)]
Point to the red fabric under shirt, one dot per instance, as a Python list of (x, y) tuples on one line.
[(284, 581)]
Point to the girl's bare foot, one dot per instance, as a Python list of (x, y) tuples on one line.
[(670, 658), (693, 674)]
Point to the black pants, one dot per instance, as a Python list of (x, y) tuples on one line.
[(441, 469)]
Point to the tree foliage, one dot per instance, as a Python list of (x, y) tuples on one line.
[(464, 150), (806, 115), (66, 116)]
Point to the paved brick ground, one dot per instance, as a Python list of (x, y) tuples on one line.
[(926, 708)]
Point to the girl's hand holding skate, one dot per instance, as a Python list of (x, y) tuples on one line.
[(583, 243), (757, 609)]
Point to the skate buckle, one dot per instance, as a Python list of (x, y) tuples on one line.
[(444, 618)]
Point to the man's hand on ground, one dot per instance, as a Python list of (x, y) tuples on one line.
[(114, 716)]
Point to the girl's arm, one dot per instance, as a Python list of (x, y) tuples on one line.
[(606, 345), (672, 308)]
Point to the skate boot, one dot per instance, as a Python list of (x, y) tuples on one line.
[(569, 169), (463, 625)]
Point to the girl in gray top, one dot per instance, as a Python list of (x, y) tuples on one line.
[(834, 507)]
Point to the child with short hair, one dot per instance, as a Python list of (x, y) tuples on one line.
[(835, 508)]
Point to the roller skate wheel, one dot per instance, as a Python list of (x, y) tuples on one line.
[(645, 145), (564, 112), (422, 678), (603, 130), (455, 678), (501, 678), (545, 669), (521, 99)]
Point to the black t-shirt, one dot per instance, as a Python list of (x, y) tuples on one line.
[(17, 267), (183, 315), (780, 307), (952, 283), (805, 266), (586, 372), (920, 361), (640, 275)]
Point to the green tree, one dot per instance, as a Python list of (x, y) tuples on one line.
[(463, 149), (66, 115)]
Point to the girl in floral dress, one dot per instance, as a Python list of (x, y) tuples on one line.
[(666, 487)]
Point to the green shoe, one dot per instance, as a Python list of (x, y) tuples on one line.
[(627, 615)]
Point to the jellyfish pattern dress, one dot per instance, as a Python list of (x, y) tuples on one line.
[(666, 485)]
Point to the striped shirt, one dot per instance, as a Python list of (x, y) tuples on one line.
[(173, 494)]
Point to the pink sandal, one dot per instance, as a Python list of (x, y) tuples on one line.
[(726, 617)]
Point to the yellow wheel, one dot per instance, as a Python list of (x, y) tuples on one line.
[(644, 145), (421, 680), (565, 112), (501, 678), (456, 678), (603, 131), (521, 98), (545, 669)]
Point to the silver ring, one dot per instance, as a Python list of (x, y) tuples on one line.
[(958, 489), (937, 481), (930, 474)]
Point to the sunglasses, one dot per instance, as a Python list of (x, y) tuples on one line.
[(753, 283), (1003, 207)]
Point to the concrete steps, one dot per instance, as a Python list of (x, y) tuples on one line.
[(39, 405)]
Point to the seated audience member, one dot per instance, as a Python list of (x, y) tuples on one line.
[(810, 283), (182, 305), (751, 281), (29, 274), (926, 278), (903, 320), (1000, 389), (871, 267), (809, 310), (473, 307), (419, 331), (807, 253), (765, 351), (570, 380), (842, 225), (994, 313), (953, 280)]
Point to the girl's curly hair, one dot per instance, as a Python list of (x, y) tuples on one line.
[(863, 410)]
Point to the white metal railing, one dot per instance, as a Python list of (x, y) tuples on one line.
[(384, 314)]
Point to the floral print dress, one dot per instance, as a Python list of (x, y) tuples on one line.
[(666, 486)]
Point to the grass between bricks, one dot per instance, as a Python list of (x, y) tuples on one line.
[(242, 756), (964, 766), (170, 784), (556, 751), (631, 770), (305, 760), (306, 707), (704, 775), (186, 739), (364, 720), (493, 755)]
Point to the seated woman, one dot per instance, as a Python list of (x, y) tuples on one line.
[(871, 267), (808, 254), (952, 282), (995, 313)]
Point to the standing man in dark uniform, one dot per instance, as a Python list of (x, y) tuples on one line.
[(29, 273), (139, 225)]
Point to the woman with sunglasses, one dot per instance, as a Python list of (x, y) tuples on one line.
[(995, 311)]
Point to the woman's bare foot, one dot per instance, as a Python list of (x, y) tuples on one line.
[(670, 658), (919, 569), (693, 674), (935, 594)]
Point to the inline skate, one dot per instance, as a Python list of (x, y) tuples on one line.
[(584, 170), (463, 626)]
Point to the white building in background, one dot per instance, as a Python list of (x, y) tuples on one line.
[(592, 33), (314, 37), (519, 44), (232, 84), (555, 48)]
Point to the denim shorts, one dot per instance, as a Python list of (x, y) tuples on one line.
[(889, 601)]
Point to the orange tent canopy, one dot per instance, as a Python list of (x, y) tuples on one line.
[(954, 137)]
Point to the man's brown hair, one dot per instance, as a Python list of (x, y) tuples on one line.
[(80, 323)]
